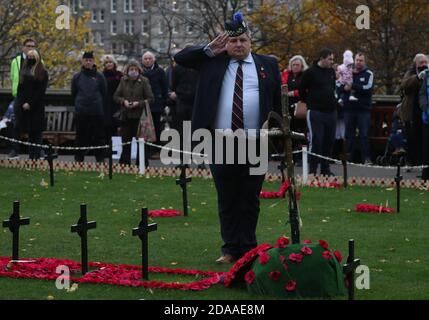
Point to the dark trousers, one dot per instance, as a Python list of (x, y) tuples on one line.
[(322, 128), (361, 120), (425, 129), (238, 205), (413, 133), (35, 137), (89, 133)]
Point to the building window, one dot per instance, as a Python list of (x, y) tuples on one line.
[(113, 27), (161, 47), (189, 28), (160, 26), (113, 6), (144, 5), (189, 6), (114, 47), (94, 16), (94, 38), (75, 6), (250, 5), (128, 5), (129, 27), (102, 15), (145, 27), (175, 28), (99, 39), (175, 5)]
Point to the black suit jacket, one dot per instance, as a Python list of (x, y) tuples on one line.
[(211, 74)]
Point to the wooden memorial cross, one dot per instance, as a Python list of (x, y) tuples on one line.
[(14, 223), (183, 181), (349, 269), (81, 228), (50, 158), (142, 231)]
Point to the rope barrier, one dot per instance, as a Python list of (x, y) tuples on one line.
[(205, 155)]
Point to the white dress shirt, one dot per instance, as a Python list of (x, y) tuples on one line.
[(250, 96)]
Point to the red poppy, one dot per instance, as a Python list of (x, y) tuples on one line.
[(327, 255), (307, 241), (323, 244), (263, 257), (295, 257), (306, 251), (282, 242), (291, 286), (275, 275), (249, 277), (338, 256)]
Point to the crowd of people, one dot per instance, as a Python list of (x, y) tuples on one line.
[(337, 100)]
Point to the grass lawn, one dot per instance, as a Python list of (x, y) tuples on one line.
[(394, 247)]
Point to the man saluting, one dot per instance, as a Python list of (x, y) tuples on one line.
[(236, 90)]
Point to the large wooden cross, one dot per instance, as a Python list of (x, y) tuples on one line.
[(349, 269), (81, 228), (14, 223), (142, 232)]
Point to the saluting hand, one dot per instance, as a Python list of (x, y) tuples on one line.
[(218, 45)]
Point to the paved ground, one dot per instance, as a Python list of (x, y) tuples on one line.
[(336, 169)]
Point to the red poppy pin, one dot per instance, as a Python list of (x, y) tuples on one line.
[(262, 73)]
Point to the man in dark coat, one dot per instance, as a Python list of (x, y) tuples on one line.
[(89, 92), (159, 85), (236, 90)]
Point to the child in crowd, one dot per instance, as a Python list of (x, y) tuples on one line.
[(345, 72)]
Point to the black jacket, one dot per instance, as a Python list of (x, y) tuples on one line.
[(159, 85), (318, 89), (89, 92), (31, 91), (363, 82), (184, 83), (211, 74)]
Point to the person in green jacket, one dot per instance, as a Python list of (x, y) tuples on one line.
[(15, 70), (15, 66)]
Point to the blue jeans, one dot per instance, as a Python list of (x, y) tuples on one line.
[(358, 119)]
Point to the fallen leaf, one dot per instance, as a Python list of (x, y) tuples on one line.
[(123, 233), (44, 184), (390, 189), (174, 263), (186, 224), (73, 288), (50, 297)]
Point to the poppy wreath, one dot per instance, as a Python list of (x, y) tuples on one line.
[(371, 208), (287, 270), (120, 275), (164, 213)]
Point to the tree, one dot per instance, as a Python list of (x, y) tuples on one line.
[(21, 19), (286, 29), (398, 30)]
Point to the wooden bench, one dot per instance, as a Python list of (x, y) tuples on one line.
[(60, 125)]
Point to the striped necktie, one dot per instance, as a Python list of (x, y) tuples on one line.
[(237, 107)]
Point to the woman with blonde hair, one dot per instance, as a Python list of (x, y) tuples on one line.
[(29, 107), (292, 77)]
